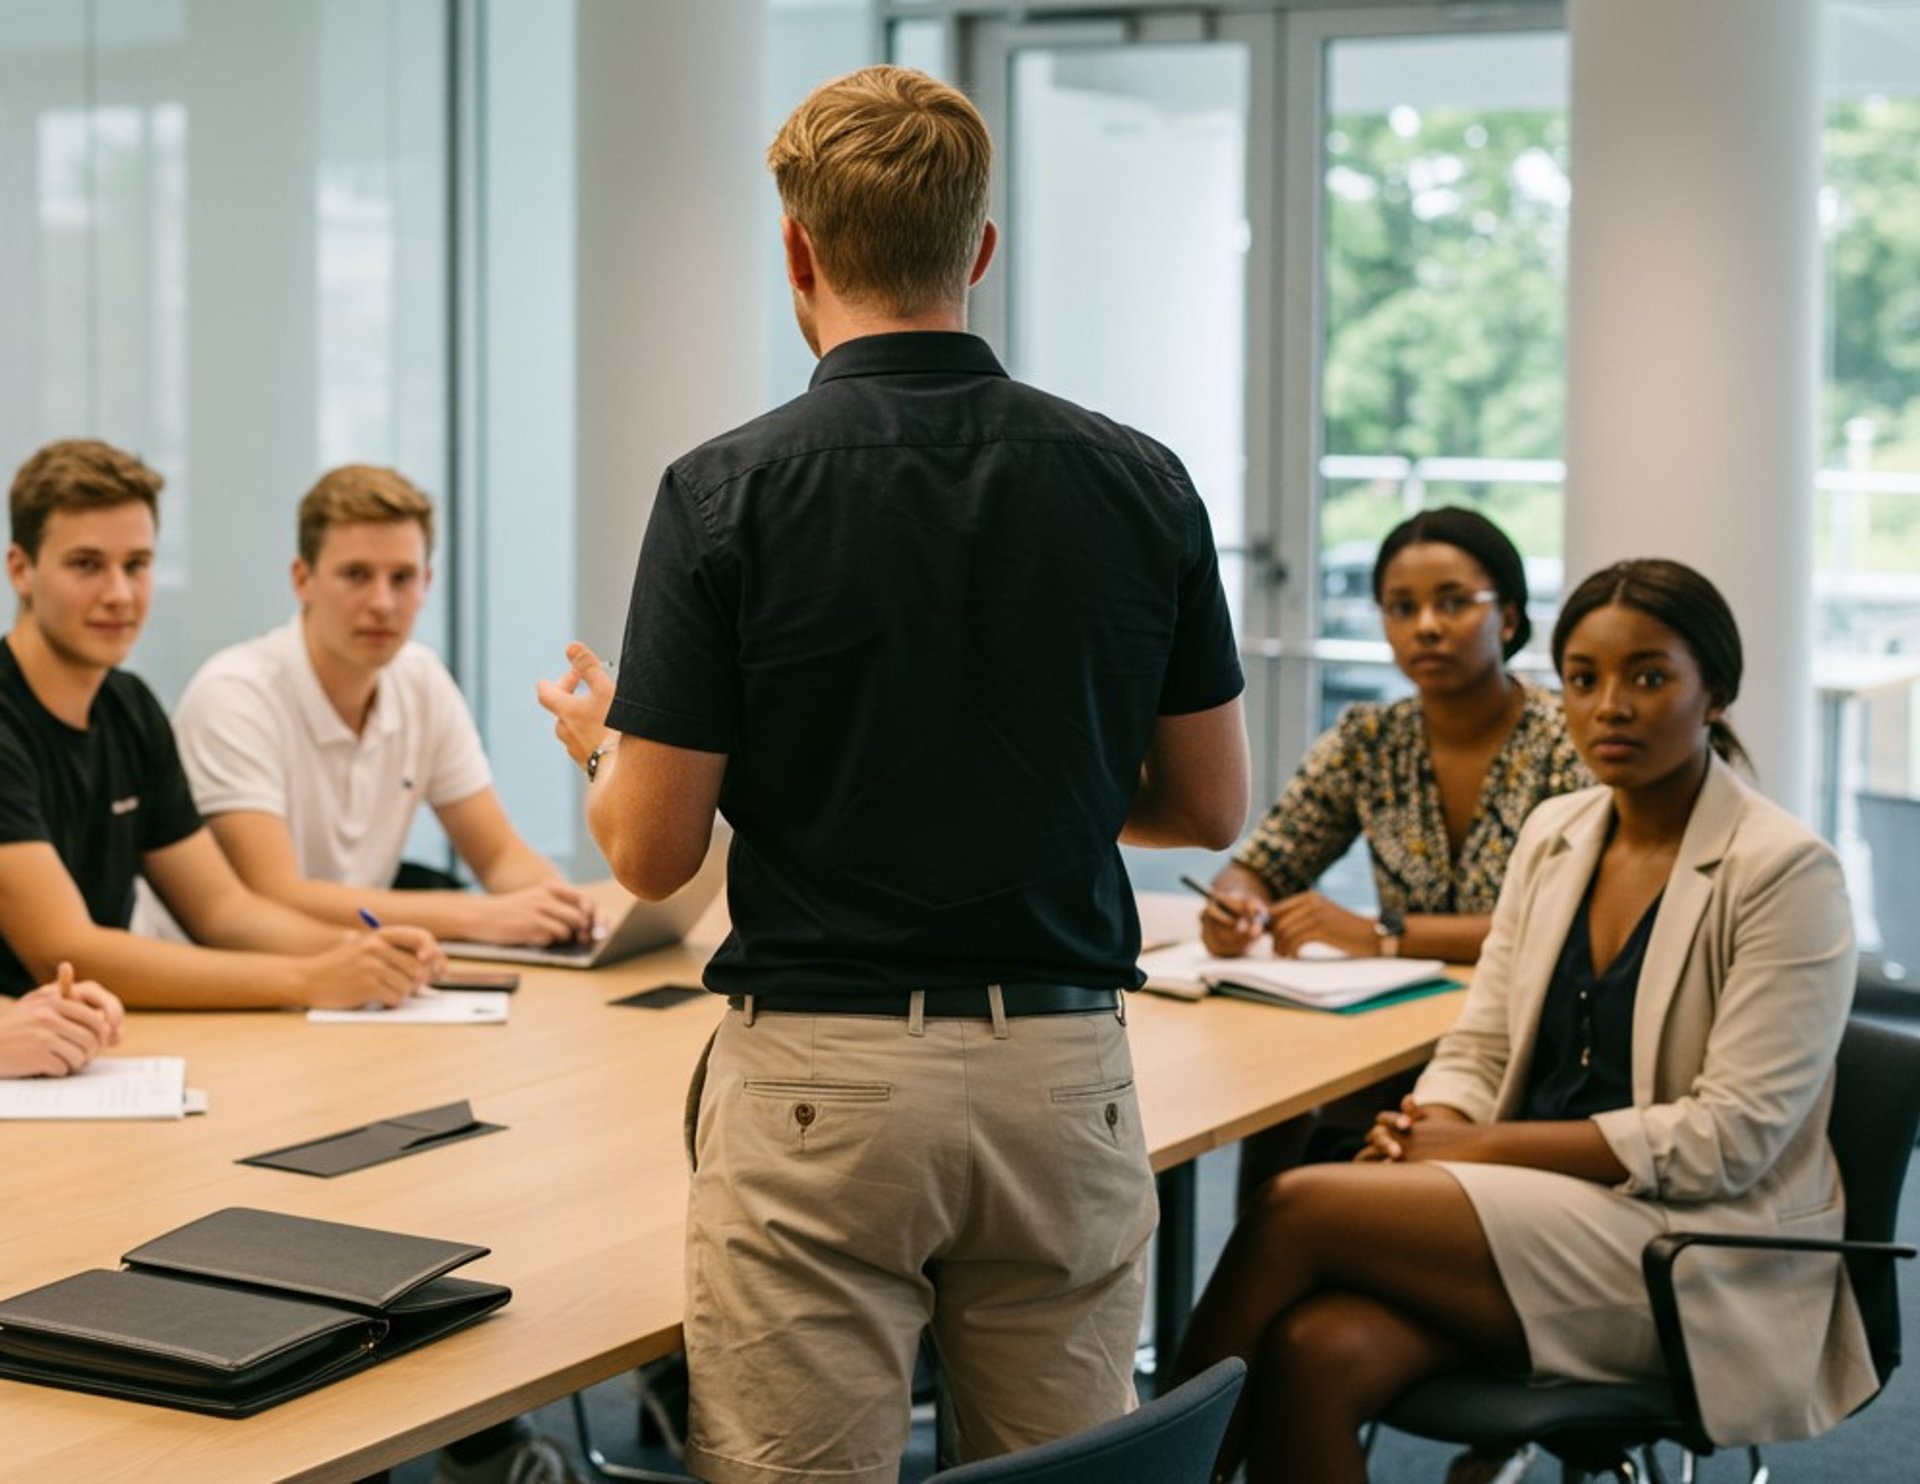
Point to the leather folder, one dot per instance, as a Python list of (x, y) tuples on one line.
[(241, 1310), (376, 1143)]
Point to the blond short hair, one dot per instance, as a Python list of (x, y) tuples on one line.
[(356, 494), (76, 474), (887, 169)]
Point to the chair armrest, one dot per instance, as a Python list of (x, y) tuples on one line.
[(1656, 1266)]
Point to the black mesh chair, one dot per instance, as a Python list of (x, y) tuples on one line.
[(1169, 1440), (1601, 1429)]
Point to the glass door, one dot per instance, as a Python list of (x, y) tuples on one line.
[(1136, 200)]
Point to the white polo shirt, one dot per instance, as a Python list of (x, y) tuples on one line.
[(256, 732)]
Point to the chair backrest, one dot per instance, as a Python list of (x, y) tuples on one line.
[(1890, 824), (1169, 1440), (1876, 1113)]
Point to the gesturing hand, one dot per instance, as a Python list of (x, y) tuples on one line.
[(579, 700)]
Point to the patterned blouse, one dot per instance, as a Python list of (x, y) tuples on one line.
[(1372, 774)]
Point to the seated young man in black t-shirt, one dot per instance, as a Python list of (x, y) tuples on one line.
[(92, 793)]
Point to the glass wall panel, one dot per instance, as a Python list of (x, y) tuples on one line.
[(1867, 495), (1444, 225), (225, 248), (1140, 313)]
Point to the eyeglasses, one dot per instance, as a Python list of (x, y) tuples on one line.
[(1450, 606)]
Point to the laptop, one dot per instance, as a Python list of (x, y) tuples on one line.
[(636, 926)]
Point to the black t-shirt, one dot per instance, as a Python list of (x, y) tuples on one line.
[(931, 615), (102, 798)]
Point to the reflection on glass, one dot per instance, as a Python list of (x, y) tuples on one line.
[(1127, 246), (230, 258), (1444, 207), (919, 44), (1867, 491)]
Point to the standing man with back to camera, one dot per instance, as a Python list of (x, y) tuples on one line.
[(934, 642)]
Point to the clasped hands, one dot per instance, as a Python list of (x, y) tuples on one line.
[(1420, 1131)]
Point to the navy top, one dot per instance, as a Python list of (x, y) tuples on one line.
[(931, 615), (1583, 1047)]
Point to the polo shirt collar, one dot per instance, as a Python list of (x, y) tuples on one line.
[(322, 721), (909, 352)]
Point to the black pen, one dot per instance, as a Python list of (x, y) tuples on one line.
[(1221, 902)]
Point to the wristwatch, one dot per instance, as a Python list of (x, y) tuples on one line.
[(1388, 927), (593, 760)]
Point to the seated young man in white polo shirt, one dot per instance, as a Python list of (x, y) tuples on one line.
[(309, 748)]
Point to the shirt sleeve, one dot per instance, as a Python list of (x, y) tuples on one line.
[(1203, 668), (679, 664), (457, 762), (231, 749), (21, 818), (167, 815), (1316, 817)]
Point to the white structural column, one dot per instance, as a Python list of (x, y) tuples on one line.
[(674, 210), (1692, 319)]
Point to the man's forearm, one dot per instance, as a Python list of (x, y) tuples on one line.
[(147, 974), (516, 867), (248, 921), (445, 914)]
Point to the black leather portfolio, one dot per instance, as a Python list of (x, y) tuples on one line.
[(376, 1143), (241, 1310)]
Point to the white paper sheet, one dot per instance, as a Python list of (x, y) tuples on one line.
[(109, 1087), (428, 1007)]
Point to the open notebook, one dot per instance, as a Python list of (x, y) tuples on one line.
[(1322, 980)]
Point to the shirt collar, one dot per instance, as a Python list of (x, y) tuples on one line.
[(290, 643), (909, 352)]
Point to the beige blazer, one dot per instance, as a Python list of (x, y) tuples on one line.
[(1743, 995)]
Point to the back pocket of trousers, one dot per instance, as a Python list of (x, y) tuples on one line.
[(1110, 1103), (817, 1114)]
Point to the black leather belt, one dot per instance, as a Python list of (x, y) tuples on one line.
[(942, 1004)]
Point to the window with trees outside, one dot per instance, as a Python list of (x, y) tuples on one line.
[(1867, 496), (1443, 258)]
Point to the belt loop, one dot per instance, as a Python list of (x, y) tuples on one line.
[(1120, 1006), (997, 1005), (917, 1013), (748, 1010)]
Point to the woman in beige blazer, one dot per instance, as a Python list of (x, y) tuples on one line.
[(1647, 1045)]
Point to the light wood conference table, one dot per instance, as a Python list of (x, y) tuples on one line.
[(581, 1199)]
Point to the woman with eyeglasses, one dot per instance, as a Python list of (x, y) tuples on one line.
[(1647, 1045), (1438, 784)]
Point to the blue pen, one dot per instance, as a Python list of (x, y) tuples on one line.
[(369, 919)]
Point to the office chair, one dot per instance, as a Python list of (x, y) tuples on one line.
[(1596, 1428), (1169, 1440)]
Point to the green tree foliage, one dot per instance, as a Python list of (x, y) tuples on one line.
[(1445, 242), (1871, 219), (1445, 267), (1445, 271)]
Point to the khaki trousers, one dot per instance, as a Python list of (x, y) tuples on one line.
[(858, 1179)]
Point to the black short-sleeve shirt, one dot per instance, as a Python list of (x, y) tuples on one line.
[(931, 615), (102, 798)]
